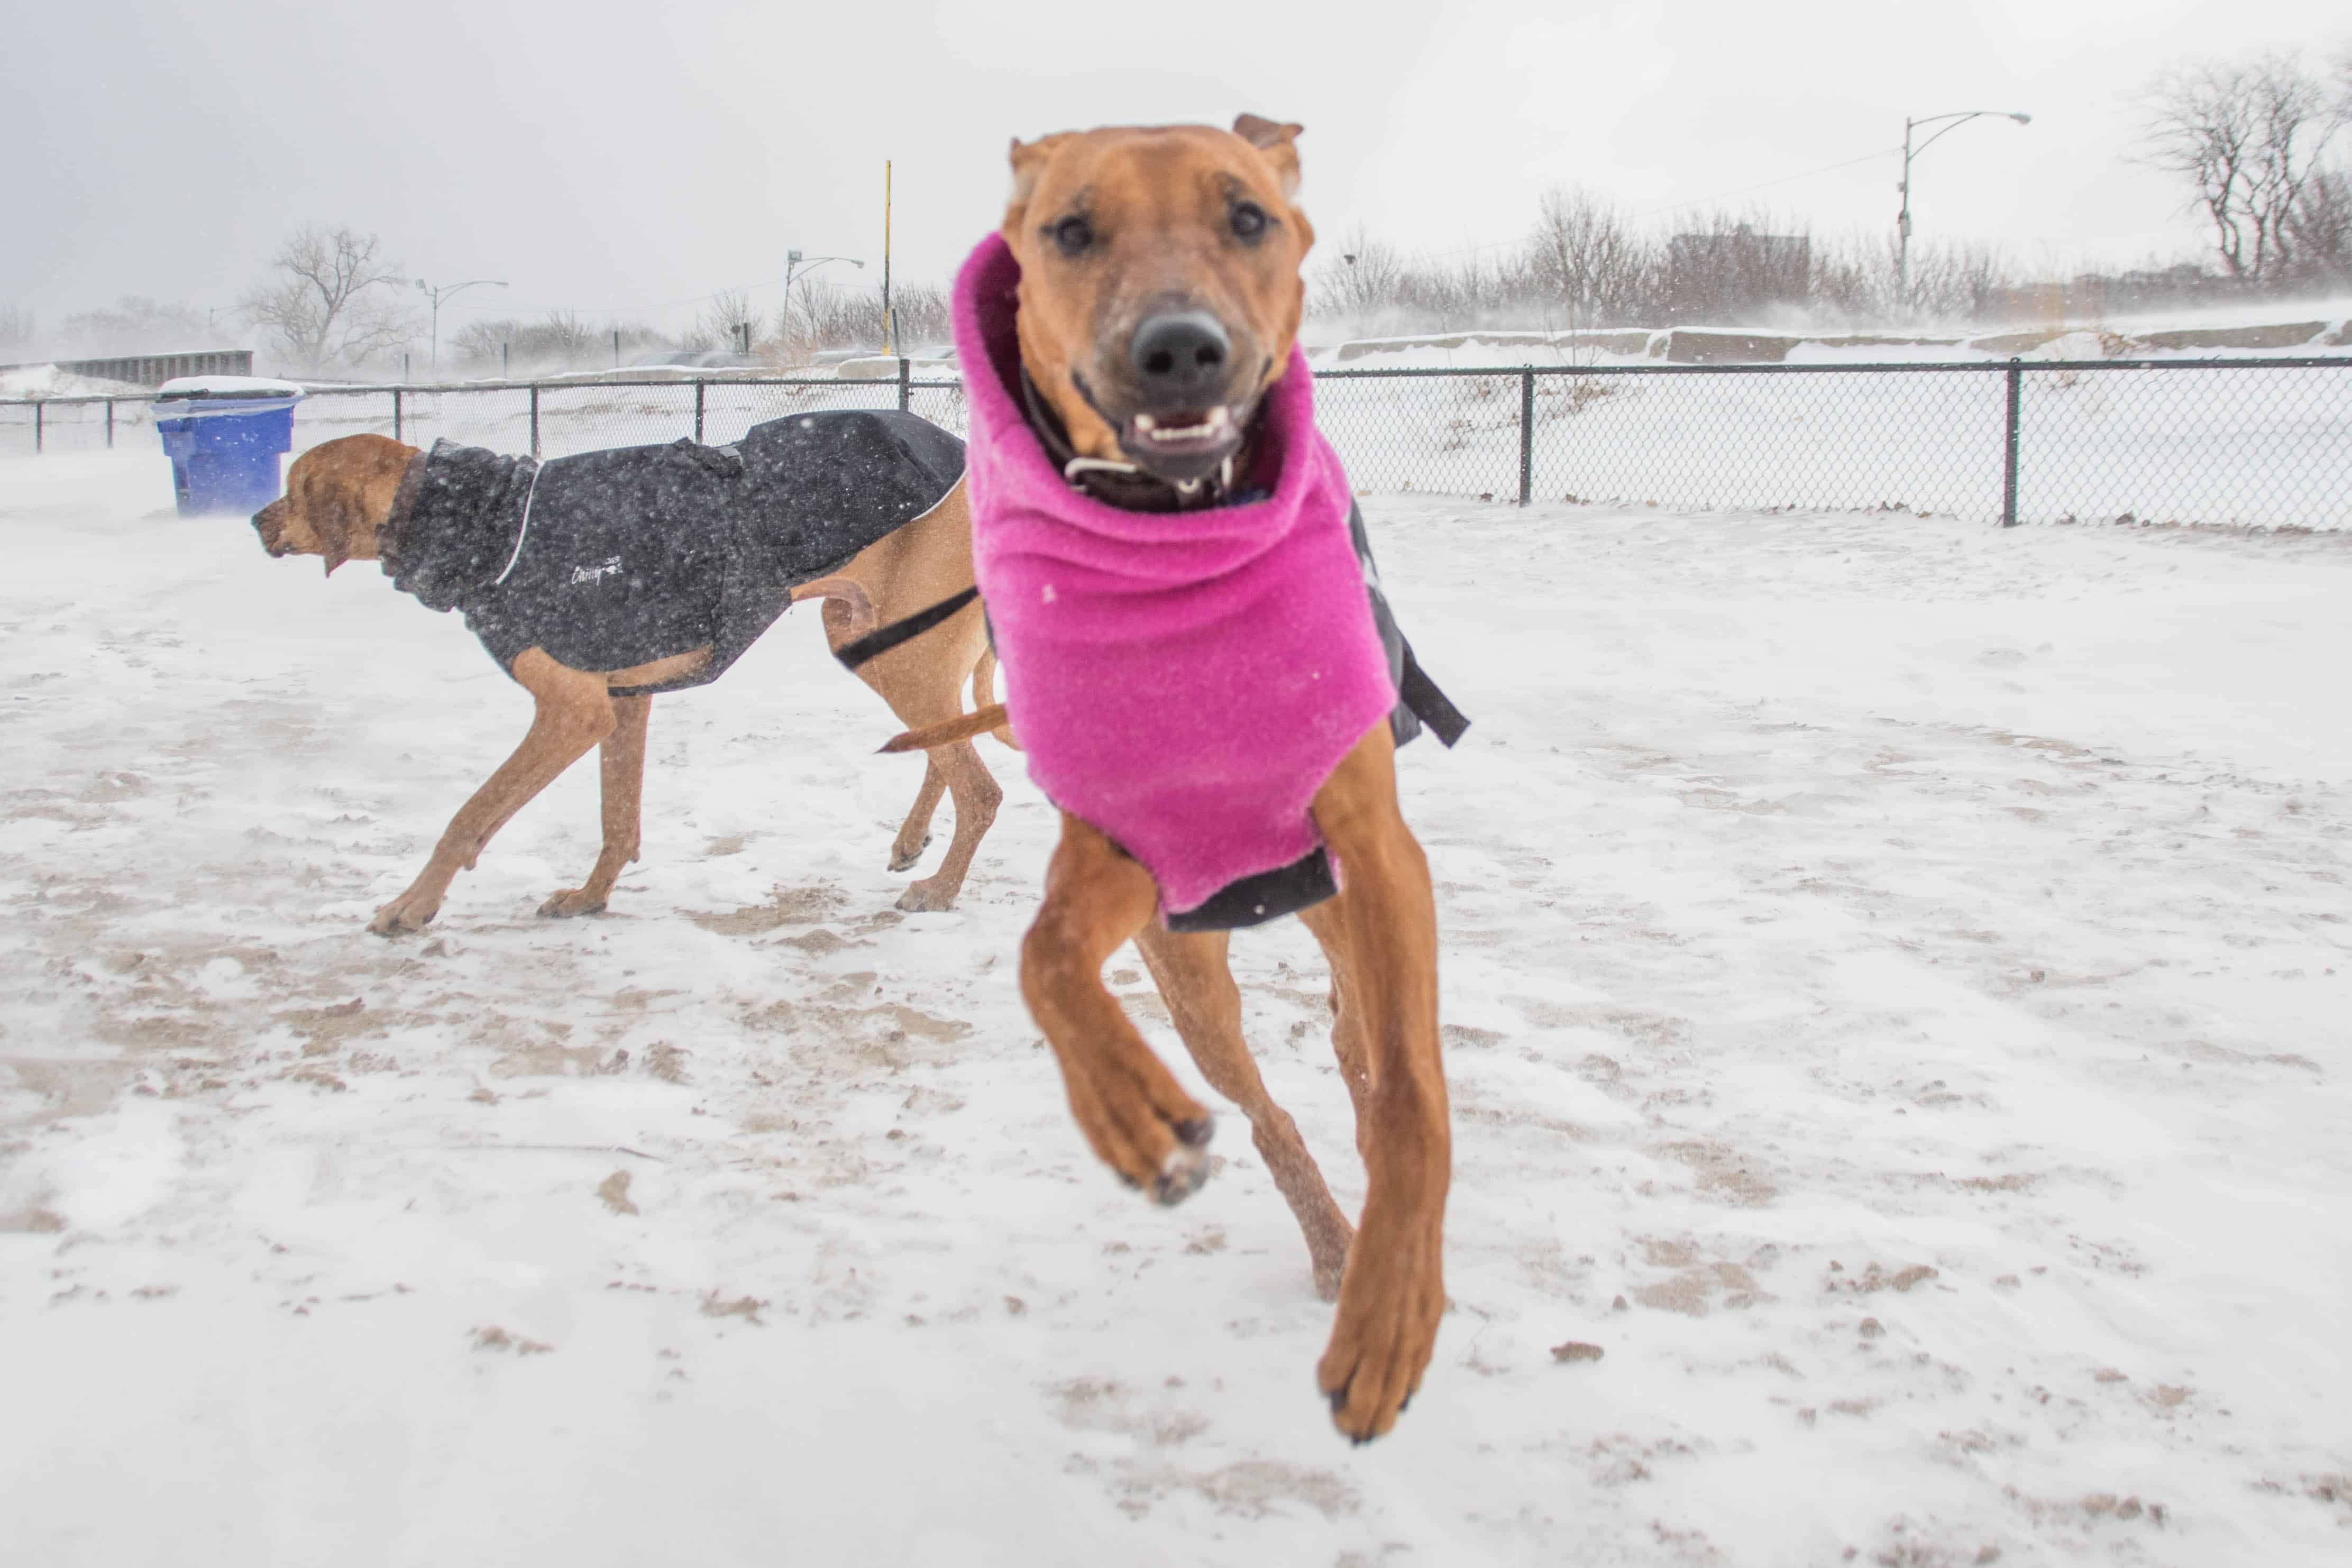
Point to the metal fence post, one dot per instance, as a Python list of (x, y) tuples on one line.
[(110, 425), (37, 427), (1526, 435), (535, 419), (698, 412), (396, 428), (2009, 460), (905, 367)]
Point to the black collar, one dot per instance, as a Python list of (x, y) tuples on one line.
[(1126, 485)]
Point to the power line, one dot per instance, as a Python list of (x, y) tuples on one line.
[(508, 308), (1694, 201), (1767, 185)]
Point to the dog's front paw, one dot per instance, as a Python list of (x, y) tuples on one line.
[(570, 902), (405, 915), (928, 895), (1381, 1343)]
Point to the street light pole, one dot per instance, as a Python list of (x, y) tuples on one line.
[(443, 292), (797, 265), (1903, 220)]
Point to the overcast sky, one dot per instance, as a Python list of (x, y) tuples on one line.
[(627, 158)]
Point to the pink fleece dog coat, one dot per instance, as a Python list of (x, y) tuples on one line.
[(1183, 680)]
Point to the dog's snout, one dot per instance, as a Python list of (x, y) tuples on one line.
[(265, 523), (1179, 353)]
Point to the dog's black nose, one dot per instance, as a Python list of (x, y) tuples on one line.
[(1180, 354)]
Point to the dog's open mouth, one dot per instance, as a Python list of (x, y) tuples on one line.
[(1187, 432), (1182, 443)]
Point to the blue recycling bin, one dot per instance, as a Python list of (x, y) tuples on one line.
[(225, 441)]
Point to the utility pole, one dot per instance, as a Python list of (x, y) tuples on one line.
[(889, 337), (1903, 219)]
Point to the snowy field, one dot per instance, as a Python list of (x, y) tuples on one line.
[(1896, 978)]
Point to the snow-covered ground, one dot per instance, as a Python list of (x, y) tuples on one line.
[(1897, 974)]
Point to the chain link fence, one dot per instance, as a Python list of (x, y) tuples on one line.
[(2259, 443)]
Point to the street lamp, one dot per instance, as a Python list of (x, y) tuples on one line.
[(442, 293), (1903, 221), (797, 264)]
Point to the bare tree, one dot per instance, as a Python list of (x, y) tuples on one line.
[(1363, 277), (136, 326), (2247, 136), (558, 340), (16, 328), (2321, 229), (826, 315), (1583, 254), (327, 299), (717, 324)]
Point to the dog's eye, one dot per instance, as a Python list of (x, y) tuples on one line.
[(1073, 235), (1248, 220)]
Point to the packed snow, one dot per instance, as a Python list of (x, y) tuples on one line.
[(228, 386), (1896, 976)]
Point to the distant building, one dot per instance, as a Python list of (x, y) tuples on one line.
[(2095, 296), (1734, 270)]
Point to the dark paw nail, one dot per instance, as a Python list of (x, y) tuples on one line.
[(1195, 1133), (1173, 1186), (1338, 1397)]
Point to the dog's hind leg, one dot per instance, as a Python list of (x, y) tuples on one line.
[(923, 683), (1197, 983), (622, 782), (914, 833), (1383, 951), (977, 795), (575, 712)]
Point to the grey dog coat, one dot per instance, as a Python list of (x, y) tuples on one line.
[(610, 560)]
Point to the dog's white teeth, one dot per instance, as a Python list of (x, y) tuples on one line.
[(1212, 424)]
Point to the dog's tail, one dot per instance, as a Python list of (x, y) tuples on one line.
[(988, 720), (853, 598), (984, 695)]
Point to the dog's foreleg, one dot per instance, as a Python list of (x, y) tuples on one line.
[(1395, 1291), (622, 779), (575, 712), (1132, 1109), (914, 833), (1197, 983)]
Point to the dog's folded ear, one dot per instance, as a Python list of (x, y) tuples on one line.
[(330, 515), (1029, 159), (1279, 140)]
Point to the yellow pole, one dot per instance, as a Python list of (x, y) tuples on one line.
[(889, 335)]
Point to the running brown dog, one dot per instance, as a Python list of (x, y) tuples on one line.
[(1159, 299), (340, 502)]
